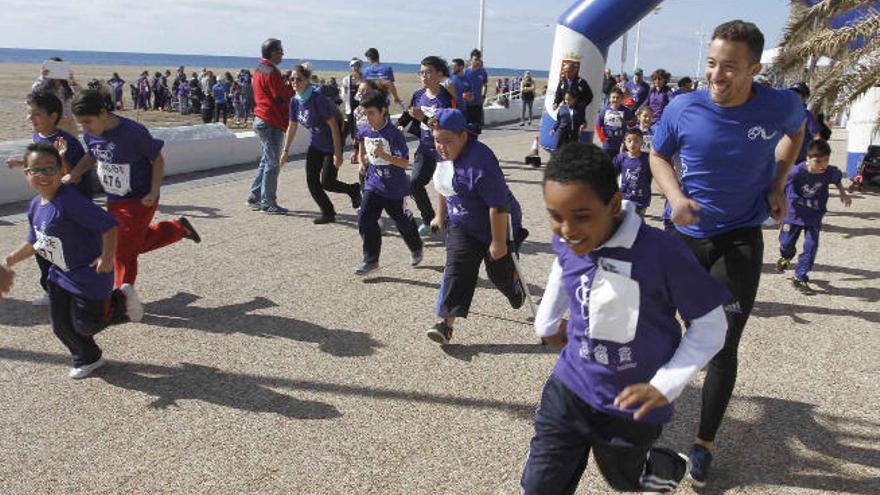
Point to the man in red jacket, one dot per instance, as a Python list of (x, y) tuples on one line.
[(271, 98)]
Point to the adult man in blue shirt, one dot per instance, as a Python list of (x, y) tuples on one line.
[(737, 142), (479, 80)]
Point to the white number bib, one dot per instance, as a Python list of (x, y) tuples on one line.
[(115, 177), (443, 175), (50, 248), (614, 303), (370, 145)]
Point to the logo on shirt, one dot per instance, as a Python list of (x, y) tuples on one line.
[(809, 191), (582, 294), (104, 153), (600, 354), (758, 131)]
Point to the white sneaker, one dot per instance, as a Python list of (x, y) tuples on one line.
[(84, 371), (133, 307), (42, 300)]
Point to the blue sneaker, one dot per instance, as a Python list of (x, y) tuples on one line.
[(367, 268), (274, 210), (699, 460)]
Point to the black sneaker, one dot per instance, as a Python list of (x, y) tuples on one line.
[(416, 258), (440, 333), (324, 219), (803, 285), (356, 199), (664, 471), (519, 299), (782, 264), (367, 268), (190, 232), (699, 460)]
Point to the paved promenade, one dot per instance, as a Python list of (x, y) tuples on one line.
[(264, 365)]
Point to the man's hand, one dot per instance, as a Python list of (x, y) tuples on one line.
[(684, 211), (497, 249), (640, 393), (337, 160), (778, 203), (150, 199), (285, 157), (559, 340), (102, 265)]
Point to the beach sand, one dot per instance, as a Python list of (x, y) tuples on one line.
[(16, 81)]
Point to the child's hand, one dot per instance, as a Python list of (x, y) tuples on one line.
[(498, 249), (60, 145), (102, 265), (7, 278), (285, 157), (846, 199), (337, 160), (150, 199), (438, 225), (70, 179), (640, 393), (362, 170), (417, 113), (559, 340)]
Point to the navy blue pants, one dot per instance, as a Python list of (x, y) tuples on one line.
[(567, 428), (424, 164), (368, 224), (76, 320), (788, 237)]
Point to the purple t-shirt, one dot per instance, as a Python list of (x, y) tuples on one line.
[(72, 156), (67, 231), (379, 71), (429, 107), (635, 332), (637, 91), (477, 78), (383, 178), (657, 101), (808, 194), (125, 157), (613, 124), (313, 115), (635, 178), (473, 184)]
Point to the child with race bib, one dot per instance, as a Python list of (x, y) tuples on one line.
[(385, 156), (624, 359), (475, 208), (79, 239), (130, 168)]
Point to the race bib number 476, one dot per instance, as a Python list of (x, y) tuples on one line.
[(115, 177)]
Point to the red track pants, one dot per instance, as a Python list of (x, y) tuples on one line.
[(137, 235)]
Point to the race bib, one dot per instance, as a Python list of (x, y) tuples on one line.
[(50, 248), (115, 177), (614, 303), (443, 175), (370, 145)]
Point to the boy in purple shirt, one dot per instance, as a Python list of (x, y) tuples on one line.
[(384, 158), (612, 122), (624, 359), (475, 208), (807, 191), (79, 239), (130, 168), (635, 172)]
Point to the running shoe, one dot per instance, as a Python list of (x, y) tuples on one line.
[(253, 205), (274, 210), (782, 264), (699, 460), (190, 232), (324, 219), (440, 333), (133, 306), (416, 258), (803, 285), (425, 229), (367, 268), (356, 199), (81, 372), (519, 298)]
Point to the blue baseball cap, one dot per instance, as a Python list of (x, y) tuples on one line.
[(451, 119)]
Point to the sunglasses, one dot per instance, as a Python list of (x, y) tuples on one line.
[(47, 171)]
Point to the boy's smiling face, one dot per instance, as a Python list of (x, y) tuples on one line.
[(817, 164), (578, 216)]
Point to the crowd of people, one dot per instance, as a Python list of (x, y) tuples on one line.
[(623, 283)]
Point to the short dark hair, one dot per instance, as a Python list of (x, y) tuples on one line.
[(269, 47), (374, 99), (476, 53), (44, 147), (819, 147), (437, 64), (457, 61), (684, 80), (635, 131), (585, 163), (744, 32), (661, 74), (372, 54), (90, 102), (617, 90), (303, 71), (48, 102)]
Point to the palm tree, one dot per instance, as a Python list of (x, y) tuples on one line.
[(854, 51)]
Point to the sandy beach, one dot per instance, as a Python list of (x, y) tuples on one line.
[(16, 81)]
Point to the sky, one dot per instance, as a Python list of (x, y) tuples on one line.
[(518, 33)]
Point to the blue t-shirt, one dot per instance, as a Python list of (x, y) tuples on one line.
[(644, 276), (462, 86), (379, 71), (614, 124), (807, 194), (72, 156), (68, 232), (429, 107), (471, 185), (383, 178), (125, 157), (313, 115), (635, 178), (637, 91), (477, 78), (727, 154), (219, 91)]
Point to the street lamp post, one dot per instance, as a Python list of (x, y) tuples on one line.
[(481, 26)]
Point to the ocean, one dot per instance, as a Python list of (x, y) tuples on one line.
[(192, 62)]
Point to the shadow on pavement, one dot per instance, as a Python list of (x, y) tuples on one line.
[(20, 313), (191, 211), (771, 309), (469, 352), (764, 451), (177, 312), (534, 290)]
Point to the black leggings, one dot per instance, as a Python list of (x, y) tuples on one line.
[(733, 258), (220, 110), (321, 176)]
